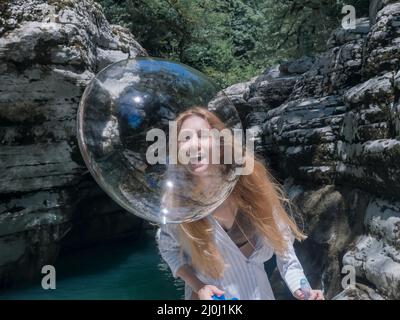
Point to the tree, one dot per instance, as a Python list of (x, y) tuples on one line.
[(230, 40)]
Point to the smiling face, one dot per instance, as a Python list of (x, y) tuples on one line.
[(195, 142)]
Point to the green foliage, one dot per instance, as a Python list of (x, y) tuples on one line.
[(230, 40)]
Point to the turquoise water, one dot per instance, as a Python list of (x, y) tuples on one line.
[(132, 269)]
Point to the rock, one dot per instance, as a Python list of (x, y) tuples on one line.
[(358, 292), (331, 132), (272, 87), (328, 126), (324, 212), (374, 7), (367, 137), (298, 66), (49, 51), (376, 256), (336, 69), (238, 94), (377, 263), (254, 98), (305, 132), (382, 51), (377, 89), (342, 36)]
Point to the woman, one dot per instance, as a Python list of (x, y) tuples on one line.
[(224, 253)]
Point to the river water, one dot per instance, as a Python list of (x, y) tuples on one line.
[(129, 269)]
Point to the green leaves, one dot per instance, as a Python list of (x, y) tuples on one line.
[(230, 40)]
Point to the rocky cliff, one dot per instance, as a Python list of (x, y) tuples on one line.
[(329, 127), (49, 50)]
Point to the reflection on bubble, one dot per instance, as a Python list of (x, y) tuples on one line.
[(132, 98)]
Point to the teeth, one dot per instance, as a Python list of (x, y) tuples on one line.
[(198, 156)]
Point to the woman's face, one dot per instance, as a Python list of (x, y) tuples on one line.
[(195, 141)]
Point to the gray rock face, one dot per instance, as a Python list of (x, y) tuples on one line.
[(49, 50), (330, 132), (382, 43), (358, 292), (376, 256), (329, 127)]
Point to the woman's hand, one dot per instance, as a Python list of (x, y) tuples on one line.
[(314, 295), (206, 292)]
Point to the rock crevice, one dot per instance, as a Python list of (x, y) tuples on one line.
[(329, 129)]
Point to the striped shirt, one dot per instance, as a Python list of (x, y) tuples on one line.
[(244, 277)]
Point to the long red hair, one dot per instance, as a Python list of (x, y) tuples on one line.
[(257, 195)]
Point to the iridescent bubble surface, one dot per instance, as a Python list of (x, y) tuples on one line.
[(122, 114)]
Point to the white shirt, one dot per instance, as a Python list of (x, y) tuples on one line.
[(244, 278)]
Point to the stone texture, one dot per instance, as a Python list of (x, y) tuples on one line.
[(328, 126), (358, 292), (49, 51), (382, 43), (330, 133)]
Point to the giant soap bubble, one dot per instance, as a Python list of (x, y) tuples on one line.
[(123, 114)]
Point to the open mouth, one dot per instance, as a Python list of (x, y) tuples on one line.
[(198, 163), (199, 158)]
